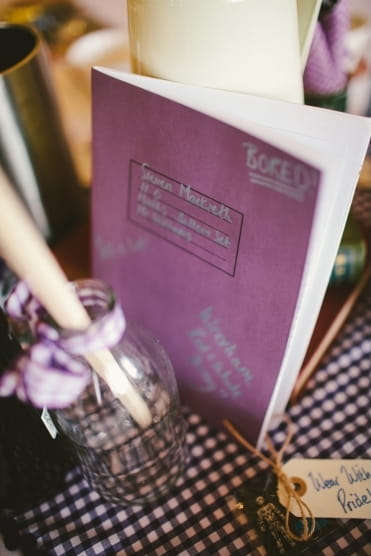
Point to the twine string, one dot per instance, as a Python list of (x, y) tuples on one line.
[(275, 461)]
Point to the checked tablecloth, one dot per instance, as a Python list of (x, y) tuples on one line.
[(332, 420)]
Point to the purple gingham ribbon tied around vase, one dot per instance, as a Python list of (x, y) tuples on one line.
[(52, 372)]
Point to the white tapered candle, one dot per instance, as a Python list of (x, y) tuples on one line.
[(25, 251)]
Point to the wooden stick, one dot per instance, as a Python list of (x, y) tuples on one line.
[(27, 254), (308, 370)]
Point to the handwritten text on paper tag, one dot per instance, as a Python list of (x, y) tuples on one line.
[(332, 488)]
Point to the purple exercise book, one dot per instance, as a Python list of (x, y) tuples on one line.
[(202, 230)]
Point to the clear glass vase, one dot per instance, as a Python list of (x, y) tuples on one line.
[(124, 462)]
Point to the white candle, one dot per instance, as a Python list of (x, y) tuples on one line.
[(27, 254), (250, 46)]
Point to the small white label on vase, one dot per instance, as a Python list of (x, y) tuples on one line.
[(48, 422)]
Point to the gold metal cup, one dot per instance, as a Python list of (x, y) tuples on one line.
[(34, 151)]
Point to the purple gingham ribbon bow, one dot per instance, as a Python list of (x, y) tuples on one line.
[(51, 372)]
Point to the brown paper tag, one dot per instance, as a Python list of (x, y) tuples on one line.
[(331, 488)]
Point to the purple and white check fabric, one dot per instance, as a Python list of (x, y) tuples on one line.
[(52, 372), (325, 70)]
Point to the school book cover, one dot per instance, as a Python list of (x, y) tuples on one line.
[(202, 229)]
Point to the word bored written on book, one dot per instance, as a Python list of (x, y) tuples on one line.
[(181, 215), (291, 178)]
